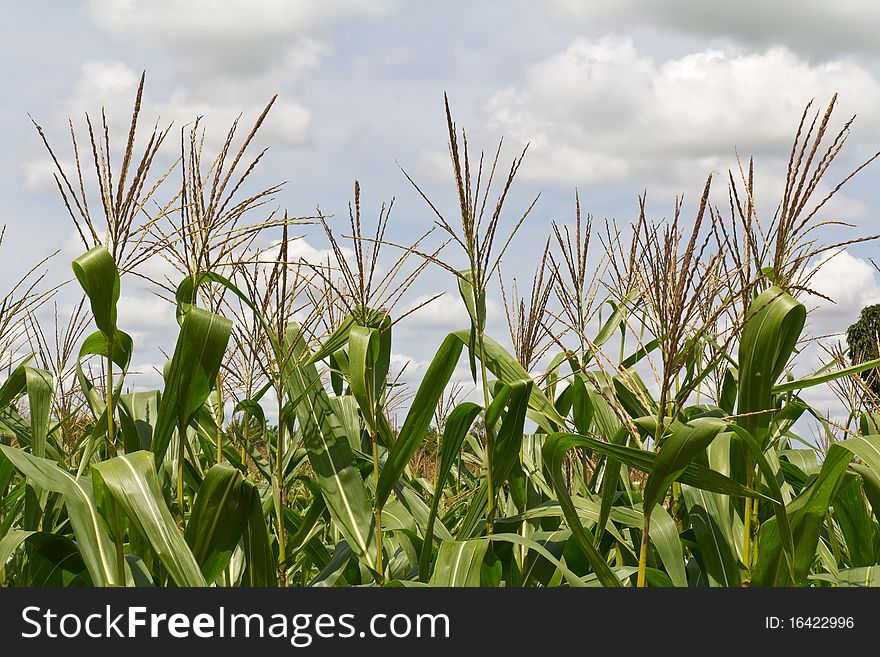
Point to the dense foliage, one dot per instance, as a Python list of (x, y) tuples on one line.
[(639, 432), (862, 340)]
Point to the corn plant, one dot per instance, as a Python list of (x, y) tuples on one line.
[(643, 429)]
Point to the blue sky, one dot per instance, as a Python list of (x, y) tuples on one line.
[(614, 97)]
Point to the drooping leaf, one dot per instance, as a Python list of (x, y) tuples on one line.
[(420, 415), (507, 369), (554, 451), (92, 540), (329, 452), (194, 366), (99, 278), (132, 482), (457, 425), (774, 324), (217, 519), (678, 450)]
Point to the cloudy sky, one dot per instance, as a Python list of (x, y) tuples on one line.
[(614, 97)]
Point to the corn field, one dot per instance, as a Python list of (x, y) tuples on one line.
[(639, 428)]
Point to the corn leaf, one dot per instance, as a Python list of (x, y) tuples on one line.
[(92, 540), (194, 366), (132, 483)]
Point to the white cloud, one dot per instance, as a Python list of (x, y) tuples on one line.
[(851, 282), (112, 85), (37, 173), (228, 58), (445, 314), (301, 249), (235, 38), (228, 22), (810, 26), (603, 110), (140, 314)]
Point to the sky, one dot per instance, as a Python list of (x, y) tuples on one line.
[(614, 98)]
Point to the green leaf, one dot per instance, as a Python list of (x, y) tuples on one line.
[(194, 366), (779, 508), (420, 415), (773, 327), (712, 530), (570, 577), (137, 417), (457, 426), (553, 453), (120, 347), (638, 354), (329, 452), (217, 518), (251, 409), (616, 321), (508, 442), (54, 561), (632, 393), (40, 385), (337, 340), (664, 535), (11, 542), (259, 561), (854, 518), (92, 540), (870, 484), (99, 278), (507, 369), (610, 477), (15, 384), (475, 304), (676, 453), (865, 576), (806, 515), (363, 354), (818, 379), (694, 474), (458, 563), (132, 483)]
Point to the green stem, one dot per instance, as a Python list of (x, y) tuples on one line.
[(378, 509), (181, 457), (111, 443), (643, 556), (245, 440), (747, 525), (111, 434), (490, 441), (676, 496), (218, 421), (658, 434), (279, 482)]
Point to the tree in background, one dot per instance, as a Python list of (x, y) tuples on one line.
[(863, 339)]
